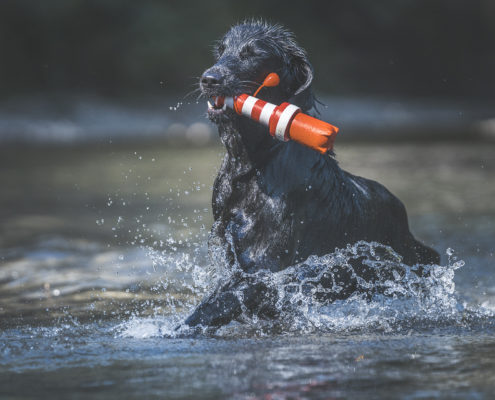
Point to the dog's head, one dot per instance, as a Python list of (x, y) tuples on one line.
[(246, 55)]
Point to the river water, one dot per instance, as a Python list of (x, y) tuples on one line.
[(103, 253)]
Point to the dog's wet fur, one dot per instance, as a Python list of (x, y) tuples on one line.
[(276, 203)]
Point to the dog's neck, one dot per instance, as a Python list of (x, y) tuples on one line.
[(248, 143)]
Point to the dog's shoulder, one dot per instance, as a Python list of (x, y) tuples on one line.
[(293, 169), (371, 198)]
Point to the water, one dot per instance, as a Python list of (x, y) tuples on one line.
[(103, 253)]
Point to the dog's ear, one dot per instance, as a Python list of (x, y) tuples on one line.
[(302, 76), (303, 72)]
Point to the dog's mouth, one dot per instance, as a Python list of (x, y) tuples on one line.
[(216, 105)]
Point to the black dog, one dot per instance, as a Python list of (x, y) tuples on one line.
[(276, 203)]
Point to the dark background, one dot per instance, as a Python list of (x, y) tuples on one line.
[(418, 48)]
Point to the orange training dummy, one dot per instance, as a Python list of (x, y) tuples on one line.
[(286, 121)]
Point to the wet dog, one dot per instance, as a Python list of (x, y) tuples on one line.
[(276, 203)]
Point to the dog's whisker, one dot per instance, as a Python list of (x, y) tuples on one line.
[(191, 93)]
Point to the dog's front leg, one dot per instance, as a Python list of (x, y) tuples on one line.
[(218, 309)]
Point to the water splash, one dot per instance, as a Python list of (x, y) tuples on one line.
[(364, 287)]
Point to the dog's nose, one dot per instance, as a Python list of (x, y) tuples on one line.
[(210, 79)]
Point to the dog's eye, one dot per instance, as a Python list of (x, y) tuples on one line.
[(246, 51)]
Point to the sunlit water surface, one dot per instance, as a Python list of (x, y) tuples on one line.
[(103, 253)]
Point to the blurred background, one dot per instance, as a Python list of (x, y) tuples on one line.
[(80, 70), (106, 159)]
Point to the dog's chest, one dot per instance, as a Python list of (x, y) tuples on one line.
[(246, 203), (258, 225)]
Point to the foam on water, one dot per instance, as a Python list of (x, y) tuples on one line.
[(384, 296)]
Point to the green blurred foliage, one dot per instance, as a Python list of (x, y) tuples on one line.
[(126, 47)]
